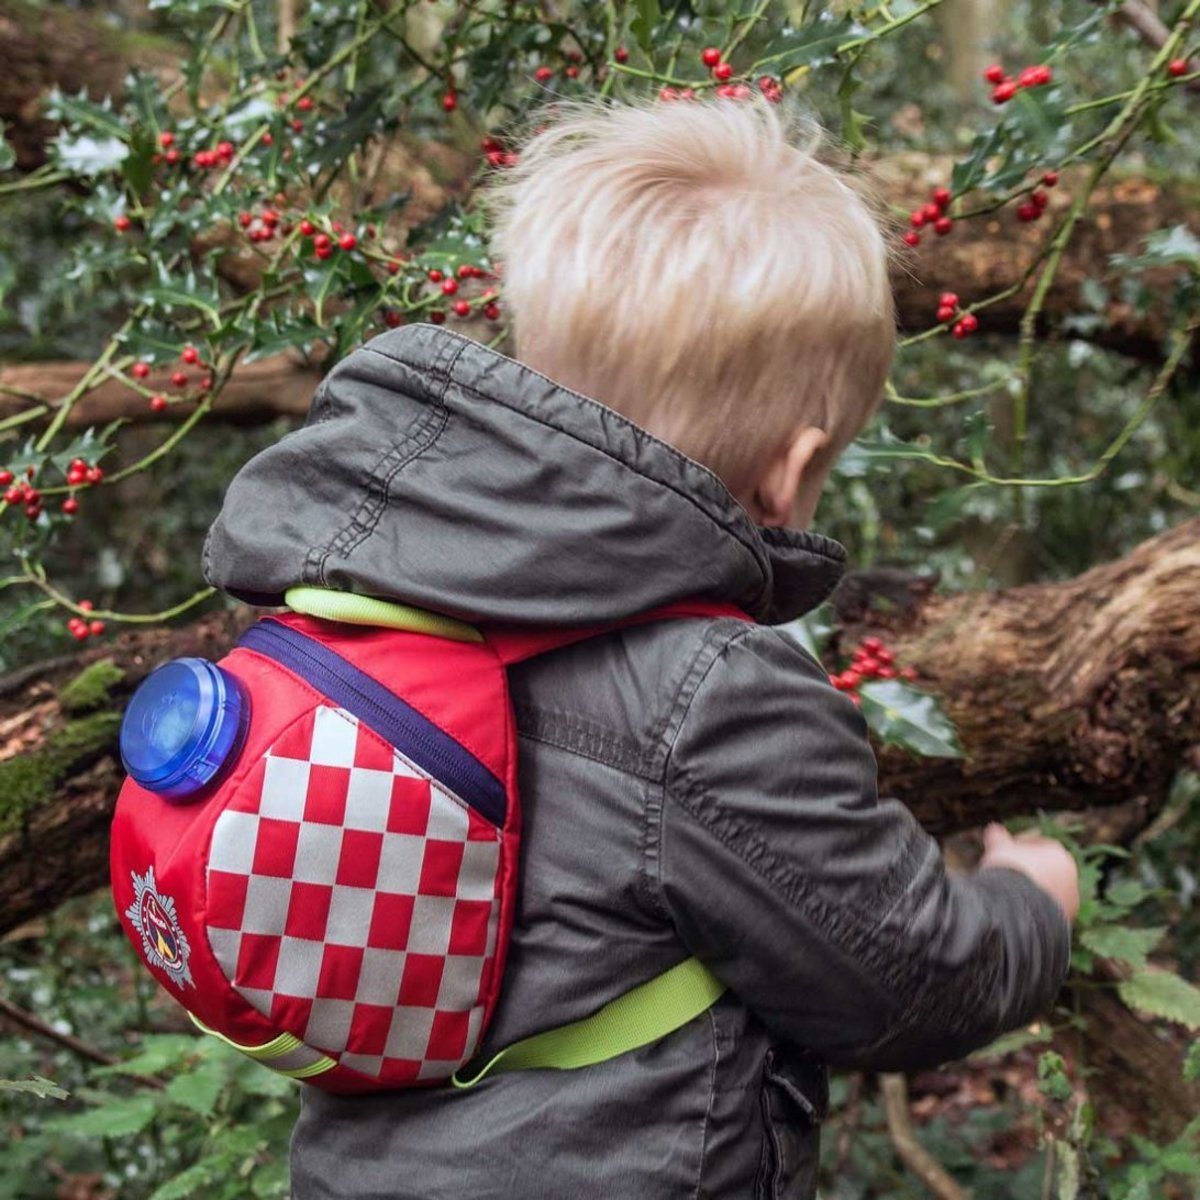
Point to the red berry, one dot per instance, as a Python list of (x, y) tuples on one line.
[(347, 241), (710, 56), (172, 157), (449, 101), (267, 139), (449, 286), (225, 150), (33, 511), (86, 605), (959, 331), (96, 628), (437, 317), (492, 312), (668, 93), (13, 496), (543, 74), (994, 73), (121, 223), (435, 276), (908, 673), (95, 474), (1004, 92), (942, 226), (466, 271), (70, 506), (887, 673), (945, 313), (393, 267), (269, 217), (322, 242), (912, 238), (942, 197), (931, 211), (179, 379), (158, 403), (948, 300), (851, 679), (917, 218), (1038, 198), (885, 656), (572, 72), (462, 308), (245, 219), (621, 54), (307, 228), (140, 370), (190, 355), (6, 477), (166, 139), (723, 71), (392, 319), (1177, 67), (1050, 178), (79, 632), (970, 322), (304, 104), (1028, 212), (871, 645)]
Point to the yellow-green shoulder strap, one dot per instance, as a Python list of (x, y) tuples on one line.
[(642, 1015), (367, 610)]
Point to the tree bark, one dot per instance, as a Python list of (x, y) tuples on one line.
[(1067, 696)]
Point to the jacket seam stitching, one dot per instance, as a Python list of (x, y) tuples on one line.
[(712, 1092), (363, 522)]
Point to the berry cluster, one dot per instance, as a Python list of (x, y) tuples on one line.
[(448, 284), (1005, 87), (873, 659), (22, 492), (948, 310), (80, 629), (932, 214), (497, 155)]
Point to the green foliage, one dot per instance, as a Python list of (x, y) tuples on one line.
[(991, 461)]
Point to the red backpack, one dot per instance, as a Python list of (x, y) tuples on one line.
[(316, 850)]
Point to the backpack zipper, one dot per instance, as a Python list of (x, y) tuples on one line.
[(433, 751)]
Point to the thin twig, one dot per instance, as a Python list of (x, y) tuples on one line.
[(914, 1156)]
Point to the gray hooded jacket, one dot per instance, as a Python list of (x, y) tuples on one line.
[(693, 787)]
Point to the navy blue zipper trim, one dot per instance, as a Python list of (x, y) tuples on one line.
[(415, 736)]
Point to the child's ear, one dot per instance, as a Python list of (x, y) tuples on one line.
[(775, 496)]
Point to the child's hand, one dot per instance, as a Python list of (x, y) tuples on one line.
[(1043, 859)]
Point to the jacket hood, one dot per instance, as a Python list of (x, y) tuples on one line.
[(438, 473)]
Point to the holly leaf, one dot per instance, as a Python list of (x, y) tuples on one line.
[(1120, 942), (643, 25), (813, 45), (904, 716), (196, 1179), (82, 113), (970, 170), (88, 154), (1162, 994)]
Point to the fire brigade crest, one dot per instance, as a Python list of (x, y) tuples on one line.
[(163, 942)]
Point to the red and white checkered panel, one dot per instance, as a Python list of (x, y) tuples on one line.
[(354, 901)]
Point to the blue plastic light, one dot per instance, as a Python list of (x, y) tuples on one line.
[(184, 724)]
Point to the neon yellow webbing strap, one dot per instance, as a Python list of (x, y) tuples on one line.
[(641, 1016), (367, 610)]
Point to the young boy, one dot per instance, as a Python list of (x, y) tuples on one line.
[(692, 786)]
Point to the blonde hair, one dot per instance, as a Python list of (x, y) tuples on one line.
[(695, 267)]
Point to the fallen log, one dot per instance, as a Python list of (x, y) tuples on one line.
[(1075, 695)]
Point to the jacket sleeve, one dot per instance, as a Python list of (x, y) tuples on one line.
[(828, 912)]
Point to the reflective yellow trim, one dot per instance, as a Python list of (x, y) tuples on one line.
[(322, 1065), (285, 1043), (353, 609)]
